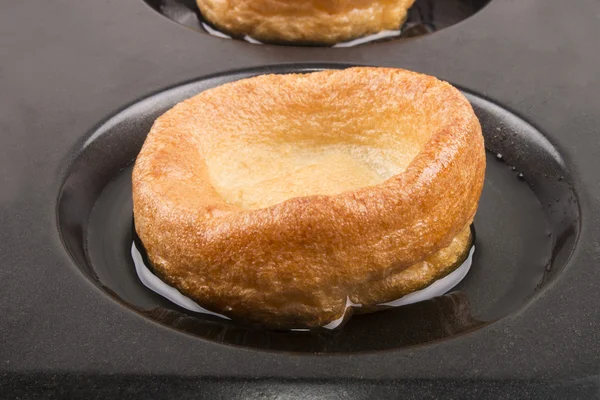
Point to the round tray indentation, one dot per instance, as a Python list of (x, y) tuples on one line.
[(424, 17), (527, 227)]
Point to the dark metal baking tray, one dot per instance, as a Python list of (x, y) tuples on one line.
[(69, 69)]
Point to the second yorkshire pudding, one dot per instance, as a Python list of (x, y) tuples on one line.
[(280, 199), (304, 21)]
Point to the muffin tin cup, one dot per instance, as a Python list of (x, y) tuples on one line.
[(424, 17), (527, 226)]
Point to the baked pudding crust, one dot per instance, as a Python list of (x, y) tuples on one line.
[(304, 21), (296, 262)]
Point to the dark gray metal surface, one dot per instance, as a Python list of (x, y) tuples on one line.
[(66, 65)]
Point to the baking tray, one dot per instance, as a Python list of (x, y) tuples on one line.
[(82, 81)]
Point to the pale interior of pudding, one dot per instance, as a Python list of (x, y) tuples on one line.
[(287, 147), (268, 175)]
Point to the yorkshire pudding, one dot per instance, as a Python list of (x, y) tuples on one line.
[(306, 21), (279, 199)]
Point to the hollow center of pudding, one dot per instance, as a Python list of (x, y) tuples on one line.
[(301, 139), (264, 175), (301, 172)]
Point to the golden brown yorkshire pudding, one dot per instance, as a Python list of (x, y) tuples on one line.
[(306, 21), (278, 199)]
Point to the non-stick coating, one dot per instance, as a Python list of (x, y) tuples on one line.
[(65, 66)]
